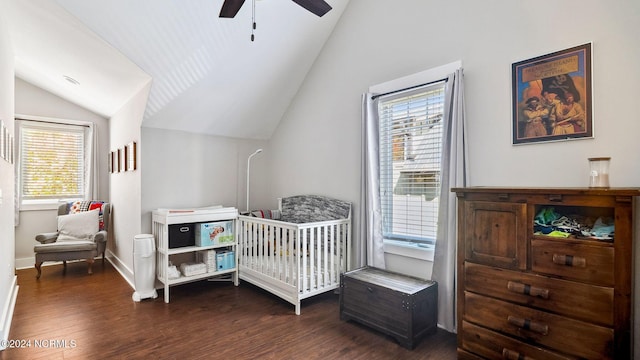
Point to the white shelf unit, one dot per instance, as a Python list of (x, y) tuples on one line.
[(161, 219)]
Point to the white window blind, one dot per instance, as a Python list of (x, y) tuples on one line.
[(52, 161), (410, 152)]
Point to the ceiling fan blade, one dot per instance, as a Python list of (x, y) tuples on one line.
[(318, 7), (230, 8)]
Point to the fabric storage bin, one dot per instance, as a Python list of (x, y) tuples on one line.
[(225, 260), (181, 235)]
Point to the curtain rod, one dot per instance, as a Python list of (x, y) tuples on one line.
[(56, 121), (409, 88)]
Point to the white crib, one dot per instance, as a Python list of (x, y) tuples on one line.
[(295, 260)]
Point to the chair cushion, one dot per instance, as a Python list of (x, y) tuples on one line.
[(64, 246), (80, 226)]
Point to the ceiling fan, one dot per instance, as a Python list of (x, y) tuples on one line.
[(231, 7), (318, 7)]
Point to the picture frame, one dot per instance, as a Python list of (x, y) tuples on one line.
[(3, 140), (119, 161), (11, 151), (552, 96), (131, 160), (125, 162)]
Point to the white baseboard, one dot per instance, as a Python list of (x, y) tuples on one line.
[(28, 262), (7, 312), (125, 272)]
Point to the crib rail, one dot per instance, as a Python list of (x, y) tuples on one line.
[(307, 257)]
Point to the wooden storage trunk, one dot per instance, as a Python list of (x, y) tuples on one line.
[(401, 306)]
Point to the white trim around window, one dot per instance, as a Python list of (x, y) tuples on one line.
[(44, 204), (427, 76)]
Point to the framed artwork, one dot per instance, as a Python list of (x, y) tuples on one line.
[(11, 150), (125, 162), (130, 156), (119, 161), (3, 140), (552, 97)]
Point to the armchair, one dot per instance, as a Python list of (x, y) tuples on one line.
[(82, 234)]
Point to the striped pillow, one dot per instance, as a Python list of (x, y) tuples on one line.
[(266, 214)]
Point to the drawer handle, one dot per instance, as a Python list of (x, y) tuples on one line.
[(527, 324), (527, 289), (555, 197), (370, 289), (514, 355), (184, 229), (569, 260)]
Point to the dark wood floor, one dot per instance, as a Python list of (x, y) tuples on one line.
[(93, 317)]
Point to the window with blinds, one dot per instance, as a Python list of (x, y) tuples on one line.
[(52, 161), (410, 152)]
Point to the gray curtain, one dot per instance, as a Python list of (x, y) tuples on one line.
[(453, 174), (91, 163), (370, 249)]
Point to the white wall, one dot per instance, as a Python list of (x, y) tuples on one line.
[(125, 187), (33, 101), (8, 286), (319, 137), (316, 147), (186, 170)]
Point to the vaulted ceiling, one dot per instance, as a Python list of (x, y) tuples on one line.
[(207, 75)]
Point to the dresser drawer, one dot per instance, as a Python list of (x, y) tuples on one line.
[(491, 345), (592, 264), (581, 301), (538, 327)]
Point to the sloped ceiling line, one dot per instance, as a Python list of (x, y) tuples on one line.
[(207, 75)]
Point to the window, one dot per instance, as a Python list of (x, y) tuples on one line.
[(53, 161), (410, 152)]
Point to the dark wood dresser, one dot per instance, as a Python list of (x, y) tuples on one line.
[(401, 306), (538, 276)]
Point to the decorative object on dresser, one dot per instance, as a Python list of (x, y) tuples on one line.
[(545, 273), (401, 306)]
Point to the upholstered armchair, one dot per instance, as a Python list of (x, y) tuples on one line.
[(82, 234)]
